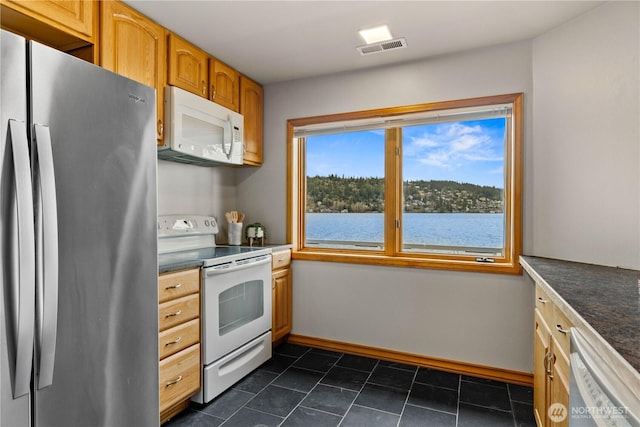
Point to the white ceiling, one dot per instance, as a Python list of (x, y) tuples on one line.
[(273, 41)]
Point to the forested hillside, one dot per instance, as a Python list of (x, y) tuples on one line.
[(339, 194)]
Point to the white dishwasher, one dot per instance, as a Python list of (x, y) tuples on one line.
[(598, 396)]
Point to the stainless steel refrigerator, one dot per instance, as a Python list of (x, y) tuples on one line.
[(78, 215)]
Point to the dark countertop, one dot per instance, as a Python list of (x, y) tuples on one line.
[(194, 258), (168, 263), (607, 298)]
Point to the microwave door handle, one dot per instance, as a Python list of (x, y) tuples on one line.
[(228, 137)]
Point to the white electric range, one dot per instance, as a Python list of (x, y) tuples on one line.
[(235, 298)]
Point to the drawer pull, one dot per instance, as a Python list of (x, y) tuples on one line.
[(542, 301), (176, 341), (174, 382), (561, 330), (176, 286), (177, 313)]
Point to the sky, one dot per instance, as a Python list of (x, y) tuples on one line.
[(470, 151)]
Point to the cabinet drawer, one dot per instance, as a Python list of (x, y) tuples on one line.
[(560, 329), (280, 259), (174, 312), (178, 338), (179, 376), (178, 283), (544, 304)]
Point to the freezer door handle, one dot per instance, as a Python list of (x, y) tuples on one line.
[(23, 289), (46, 256)]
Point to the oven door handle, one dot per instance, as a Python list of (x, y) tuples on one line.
[(227, 268)]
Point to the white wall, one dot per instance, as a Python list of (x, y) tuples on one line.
[(585, 178), (187, 189), (477, 318)]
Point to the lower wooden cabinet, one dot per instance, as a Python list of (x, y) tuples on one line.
[(281, 293), (179, 340), (179, 379), (551, 364)]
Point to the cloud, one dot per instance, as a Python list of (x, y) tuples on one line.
[(453, 145), (456, 129), (425, 142)]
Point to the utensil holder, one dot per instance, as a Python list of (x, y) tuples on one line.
[(235, 233)]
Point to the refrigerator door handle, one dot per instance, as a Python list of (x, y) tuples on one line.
[(24, 316), (47, 257)]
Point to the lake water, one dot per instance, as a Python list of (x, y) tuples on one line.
[(483, 230)]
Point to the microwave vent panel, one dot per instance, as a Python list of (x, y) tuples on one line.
[(382, 46)]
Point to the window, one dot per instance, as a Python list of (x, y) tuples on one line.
[(432, 185)]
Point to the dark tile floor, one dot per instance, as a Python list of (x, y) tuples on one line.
[(302, 386)]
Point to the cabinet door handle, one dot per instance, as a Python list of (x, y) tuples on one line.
[(173, 382), (545, 362), (204, 87), (177, 313), (212, 95), (160, 128), (560, 329), (542, 301), (176, 286), (176, 341), (548, 363)]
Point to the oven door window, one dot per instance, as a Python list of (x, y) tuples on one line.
[(240, 305)]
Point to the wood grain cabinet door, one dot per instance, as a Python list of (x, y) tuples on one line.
[(135, 47), (72, 16), (281, 309), (188, 66), (251, 106), (224, 85), (541, 351)]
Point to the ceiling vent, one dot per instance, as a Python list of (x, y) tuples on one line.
[(382, 46)]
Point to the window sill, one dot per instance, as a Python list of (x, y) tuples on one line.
[(500, 266)]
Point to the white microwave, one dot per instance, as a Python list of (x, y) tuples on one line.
[(199, 131)]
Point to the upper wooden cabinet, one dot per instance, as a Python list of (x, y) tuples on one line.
[(134, 46), (69, 26), (74, 17), (251, 106), (188, 66), (224, 85)]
